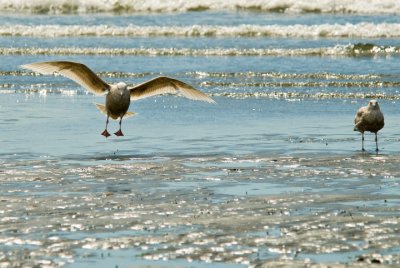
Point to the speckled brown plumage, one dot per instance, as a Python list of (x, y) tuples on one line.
[(369, 118)]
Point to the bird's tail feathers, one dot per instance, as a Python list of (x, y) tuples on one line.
[(129, 114), (103, 109)]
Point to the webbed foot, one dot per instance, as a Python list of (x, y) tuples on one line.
[(119, 133), (105, 133)]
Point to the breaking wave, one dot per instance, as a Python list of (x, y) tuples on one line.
[(131, 6), (359, 30), (350, 50)]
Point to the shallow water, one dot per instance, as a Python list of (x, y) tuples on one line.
[(272, 175)]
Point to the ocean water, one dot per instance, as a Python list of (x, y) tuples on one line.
[(272, 175)]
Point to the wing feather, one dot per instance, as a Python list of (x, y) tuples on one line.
[(360, 115), (165, 85), (75, 71)]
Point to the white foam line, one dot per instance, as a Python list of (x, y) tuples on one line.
[(360, 30)]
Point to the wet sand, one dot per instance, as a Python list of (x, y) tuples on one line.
[(267, 210)]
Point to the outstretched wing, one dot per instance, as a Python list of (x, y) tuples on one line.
[(75, 71), (164, 85)]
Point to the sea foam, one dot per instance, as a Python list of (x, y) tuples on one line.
[(130, 6), (348, 30)]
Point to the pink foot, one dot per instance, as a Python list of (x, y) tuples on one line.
[(105, 133), (119, 133)]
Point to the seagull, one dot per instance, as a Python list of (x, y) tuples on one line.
[(118, 96), (369, 118)]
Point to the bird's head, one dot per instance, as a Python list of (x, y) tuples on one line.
[(373, 104), (120, 88)]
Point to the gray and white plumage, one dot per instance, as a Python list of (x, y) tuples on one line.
[(118, 96), (369, 118)]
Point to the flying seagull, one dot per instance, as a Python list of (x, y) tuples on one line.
[(369, 118), (118, 96)]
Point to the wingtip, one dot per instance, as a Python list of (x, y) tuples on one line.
[(204, 98), (211, 101), (24, 66), (28, 66)]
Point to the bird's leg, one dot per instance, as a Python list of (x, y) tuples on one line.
[(119, 132), (376, 141), (105, 132), (362, 141)]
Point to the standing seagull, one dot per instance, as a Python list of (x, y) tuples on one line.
[(369, 118), (118, 96)]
